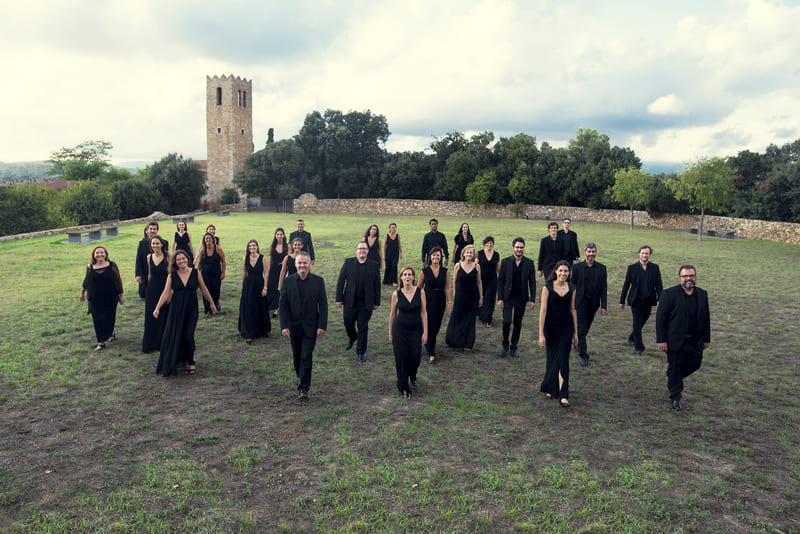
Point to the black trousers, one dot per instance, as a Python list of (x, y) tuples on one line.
[(680, 364), (356, 324), (303, 351), (513, 311), (585, 311), (640, 310)]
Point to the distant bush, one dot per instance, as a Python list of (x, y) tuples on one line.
[(87, 203), (27, 208), (136, 198), (230, 196)]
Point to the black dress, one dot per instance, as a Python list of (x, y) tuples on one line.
[(558, 332), (103, 288), (275, 264), (391, 257), (436, 304), (461, 327), (253, 315), (177, 343), (374, 250), (154, 328), (211, 268), (407, 338), (182, 243), (291, 268), (460, 244), (489, 282)]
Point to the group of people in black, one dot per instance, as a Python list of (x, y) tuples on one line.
[(570, 299)]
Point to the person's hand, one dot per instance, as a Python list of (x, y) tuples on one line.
[(121, 299), (531, 304), (424, 338), (500, 304), (155, 313), (622, 306), (138, 279), (320, 331), (540, 273), (575, 339), (82, 297), (340, 304), (285, 332), (542, 341), (603, 312), (264, 292), (222, 276), (663, 347)]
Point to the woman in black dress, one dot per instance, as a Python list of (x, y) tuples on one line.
[(461, 240), (277, 251), (183, 240), (288, 266), (373, 240), (408, 330), (558, 329), (212, 266), (467, 298), (158, 269), (104, 286), (177, 343), (434, 280), (211, 229), (392, 252), (253, 315), (489, 262)]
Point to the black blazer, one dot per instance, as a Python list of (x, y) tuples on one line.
[(346, 289), (551, 251), (672, 322), (636, 278), (579, 279), (506, 279), (570, 244), (303, 318)]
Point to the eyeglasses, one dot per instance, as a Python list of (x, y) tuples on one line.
[(688, 276)]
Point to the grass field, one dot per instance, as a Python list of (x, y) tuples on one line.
[(100, 443)]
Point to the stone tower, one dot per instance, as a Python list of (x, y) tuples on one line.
[(229, 130)]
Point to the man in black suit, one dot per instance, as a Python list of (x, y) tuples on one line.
[(590, 279), (516, 285), (305, 237), (643, 279), (571, 250), (141, 268), (552, 249), (303, 309), (359, 291), (683, 330), (434, 238)]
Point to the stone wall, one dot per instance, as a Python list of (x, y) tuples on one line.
[(741, 228)]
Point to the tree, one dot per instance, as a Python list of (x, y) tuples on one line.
[(27, 208), (708, 184), (483, 189), (180, 182), (87, 203), (275, 171), (86, 152), (136, 198), (633, 187)]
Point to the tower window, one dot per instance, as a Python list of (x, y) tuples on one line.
[(219, 96), (219, 130), (239, 98), (243, 132), (244, 99)]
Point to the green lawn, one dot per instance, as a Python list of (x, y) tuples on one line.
[(100, 443)]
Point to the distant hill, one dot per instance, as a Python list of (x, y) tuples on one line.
[(32, 171)]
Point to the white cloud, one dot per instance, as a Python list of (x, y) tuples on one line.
[(667, 105)]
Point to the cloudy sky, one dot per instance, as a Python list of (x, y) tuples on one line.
[(674, 82)]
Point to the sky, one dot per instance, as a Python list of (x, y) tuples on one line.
[(674, 80)]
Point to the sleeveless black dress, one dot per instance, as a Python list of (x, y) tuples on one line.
[(436, 302), (253, 316), (489, 282), (291, 268), (558, 333), (460, 244), (374, 250), (103, 287), (154, 328), (177, 343), (275, 264), (211, 269), (461, 327), (391, 257), (407, 338), (182, 243)]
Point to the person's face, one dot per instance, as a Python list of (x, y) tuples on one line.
[(407, 277), (489, 246), (181, 226), (469, 254), (297, 246), (644, 255), (590, 254), (208, 240), (392, 228), (152, 230), (519, 249), (688, 278), (464, 228), (302, 266), (211, 230), (361, 252), (566, 224), (155, 244), (252, 248), (280, 236), (553, 231), (373, 231), (181, 261), (562, 273), (300, 226), (436, 258), (434, 226), (99, 255)]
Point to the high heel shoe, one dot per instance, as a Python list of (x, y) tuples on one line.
[(564, 403)]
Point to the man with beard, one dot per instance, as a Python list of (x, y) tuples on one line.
[(590, 279), (359, 292), (516, 285), (643, 279)]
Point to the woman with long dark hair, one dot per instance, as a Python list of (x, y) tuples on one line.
[(373, 240), (253, 315), (392, 253), (157, 272), (212, 266), (408, 330), (288, 262), (277, 252), (558, 329), (461, 240), (104, 286), (489, 262), (183, 240), (434, 280)]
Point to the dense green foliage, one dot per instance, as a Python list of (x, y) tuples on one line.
[(135, 198), (632, 187), (179, 181), (87, 203), (27, 208)]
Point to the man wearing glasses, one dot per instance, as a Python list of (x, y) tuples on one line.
[(683, 330)]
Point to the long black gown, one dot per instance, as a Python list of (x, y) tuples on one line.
[(275, 264), (211, 269), (253, 315), (391, 257), (177, 343), (558, 332), (461, 242), (154, 328), (489, 283), (436, 304), (461, 327), (407, 339), (103, 288), (374, 250), (182, 243)]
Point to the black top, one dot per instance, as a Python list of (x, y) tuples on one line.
[(434, 240), (305, 237)]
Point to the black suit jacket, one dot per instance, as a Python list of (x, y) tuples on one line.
[(636, 278), (346, 289), (570, 244), (303, 318), (672, 321), (552, 251), (506, 278), (579, 279)]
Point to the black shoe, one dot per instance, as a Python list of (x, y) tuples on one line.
[(514, 353), (431, 359), (502, 353), (349, 345), (362, 358), (631, 342), (676, 405), (584, 362), (564, 403), (303, 394), (639, 352), (414, 383)]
